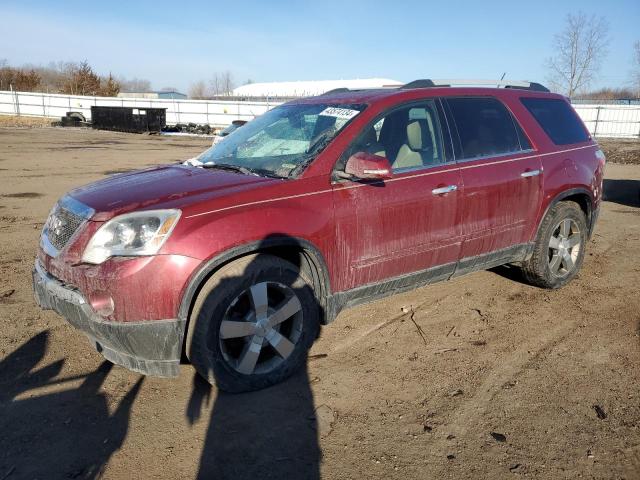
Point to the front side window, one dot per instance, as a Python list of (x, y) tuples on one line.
[(282, 141), (409, 137), (485, 127)]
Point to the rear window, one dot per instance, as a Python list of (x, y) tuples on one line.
[(557, 119), (485, 127)]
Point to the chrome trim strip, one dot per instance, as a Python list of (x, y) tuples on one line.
[(497, 155), (47, 246), (76, 207)]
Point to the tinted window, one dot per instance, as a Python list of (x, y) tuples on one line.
[(522, 138), (409, 137), (485, 127), (557, 119)]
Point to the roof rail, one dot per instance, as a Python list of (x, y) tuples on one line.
[(422, 83), (523, 85), (336, 90)]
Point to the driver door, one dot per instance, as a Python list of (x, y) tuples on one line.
[(409, 223)]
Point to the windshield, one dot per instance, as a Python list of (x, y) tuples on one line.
[(282, 141)]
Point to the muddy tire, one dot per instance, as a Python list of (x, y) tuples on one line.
[(252, 324), (559, 247)]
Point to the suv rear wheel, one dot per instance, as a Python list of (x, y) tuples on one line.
[(252, 324), (559, 249)]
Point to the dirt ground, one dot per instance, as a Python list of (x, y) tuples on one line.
[(509, 380)]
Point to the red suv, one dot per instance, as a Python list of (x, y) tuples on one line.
[(234, 259)]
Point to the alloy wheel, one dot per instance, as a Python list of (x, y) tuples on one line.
[(261, 328), (564, 247)]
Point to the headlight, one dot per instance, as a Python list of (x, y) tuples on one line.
[(132, 234)]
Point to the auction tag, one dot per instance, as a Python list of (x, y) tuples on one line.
[(338, 112)]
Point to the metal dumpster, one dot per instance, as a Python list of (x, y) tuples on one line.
[(129, 119)]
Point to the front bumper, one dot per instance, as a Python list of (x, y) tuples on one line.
[(150, 347)]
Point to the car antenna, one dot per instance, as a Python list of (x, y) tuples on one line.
[(502, 78)]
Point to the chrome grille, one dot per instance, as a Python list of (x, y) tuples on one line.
[(63, 222), (61, 225)]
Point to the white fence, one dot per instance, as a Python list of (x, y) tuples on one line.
[(619, 121), (616, 121), (216, 113)]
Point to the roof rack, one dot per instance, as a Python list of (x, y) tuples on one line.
[(522, 85), (336, 90)]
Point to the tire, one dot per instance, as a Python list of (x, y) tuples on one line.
[(551, 267), (224, 332), (77, 115)]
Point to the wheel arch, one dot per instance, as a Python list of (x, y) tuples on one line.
[(582, 196), (302, 253)]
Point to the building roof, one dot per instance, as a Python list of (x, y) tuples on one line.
[(309, 88)]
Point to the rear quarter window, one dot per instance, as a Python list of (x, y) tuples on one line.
[(557, 119)]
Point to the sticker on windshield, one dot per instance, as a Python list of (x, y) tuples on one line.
[(346, 113)]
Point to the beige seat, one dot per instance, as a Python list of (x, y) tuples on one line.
[(409, 154)]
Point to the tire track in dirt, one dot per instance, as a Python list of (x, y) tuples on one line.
[(464, 416)]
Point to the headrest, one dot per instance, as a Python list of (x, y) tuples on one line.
[(414, 135), (369, 137)]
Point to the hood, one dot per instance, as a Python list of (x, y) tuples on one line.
[(161, 187)]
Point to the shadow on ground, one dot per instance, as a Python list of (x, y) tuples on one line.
[(510, 272), (67, 434), (622, 192), (269, 433)]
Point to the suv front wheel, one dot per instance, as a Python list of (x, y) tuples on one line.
[(559, 249), (252, 324)]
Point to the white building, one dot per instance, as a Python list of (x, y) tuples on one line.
[(309, 88)]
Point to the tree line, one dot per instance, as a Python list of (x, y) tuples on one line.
[(71, 78)]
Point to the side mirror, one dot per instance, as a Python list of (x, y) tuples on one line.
[(365, 165)]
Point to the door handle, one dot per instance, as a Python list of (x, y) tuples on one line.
[(531, 173), (443, 190)]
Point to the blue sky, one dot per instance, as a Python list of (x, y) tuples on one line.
[(177, 43)]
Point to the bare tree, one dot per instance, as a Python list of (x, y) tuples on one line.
[(134, 85), (198, 90), (580, 49), (227, 82), (221, 83)]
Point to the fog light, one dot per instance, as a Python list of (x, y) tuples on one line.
[(103, 304)]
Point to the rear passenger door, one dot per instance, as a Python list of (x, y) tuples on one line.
[(501, 178)]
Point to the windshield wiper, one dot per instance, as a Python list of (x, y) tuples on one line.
[(232, 168), (317, 145), (321, 141)]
